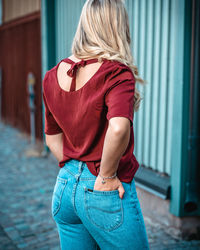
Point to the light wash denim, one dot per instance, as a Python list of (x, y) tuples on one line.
[(89, 219)]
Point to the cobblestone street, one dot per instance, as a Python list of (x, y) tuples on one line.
[(26, 186)]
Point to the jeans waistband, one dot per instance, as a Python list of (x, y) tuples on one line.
[(77, 167)]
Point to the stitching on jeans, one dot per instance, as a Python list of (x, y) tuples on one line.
[(63, 180), (135, 204), (81, 178), (67, 170), (59, 200), (104, 193), (73, 197)]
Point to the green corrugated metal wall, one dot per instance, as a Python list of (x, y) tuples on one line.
[(152, 28)]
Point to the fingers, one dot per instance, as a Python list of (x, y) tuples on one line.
[(121, 191)]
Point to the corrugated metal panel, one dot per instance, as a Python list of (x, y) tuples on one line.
[(1, 12), (153, 26), (67, 15), (152, 49), (16, 8)]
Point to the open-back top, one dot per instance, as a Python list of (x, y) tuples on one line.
[(82, 115), (74, 67)]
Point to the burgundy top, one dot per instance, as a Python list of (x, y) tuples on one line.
[(82, 115)]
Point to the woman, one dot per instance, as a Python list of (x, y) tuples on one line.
[(90, 99)]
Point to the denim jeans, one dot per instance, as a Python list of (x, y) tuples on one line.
[(89, 219)]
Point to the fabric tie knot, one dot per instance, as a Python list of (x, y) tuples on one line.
[(72, 71)]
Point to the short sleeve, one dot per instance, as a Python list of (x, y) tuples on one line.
[(119, 97), (51, 127)]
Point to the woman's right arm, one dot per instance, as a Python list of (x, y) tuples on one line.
[(115, 144), (119, 100)]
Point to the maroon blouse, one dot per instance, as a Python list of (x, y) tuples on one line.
[(82, 115)]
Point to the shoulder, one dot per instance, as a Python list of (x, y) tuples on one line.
[(49, 75), (50, 72), (119, 71)]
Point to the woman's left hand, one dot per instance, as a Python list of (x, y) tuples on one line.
[(111, 184)]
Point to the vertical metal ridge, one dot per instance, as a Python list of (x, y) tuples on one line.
[(151, 78), (136, 54), (155, 83), (134, 46), (170, 88), (139, 114), (167, 135), (144, 76), (163, 85), (158, 149), (147, 88)]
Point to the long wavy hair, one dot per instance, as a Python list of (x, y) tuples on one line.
[(103, 32)]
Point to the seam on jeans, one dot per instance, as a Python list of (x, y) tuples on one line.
[(60, 197), (67, 170), (73, 197), (103, 193), (131, 189), (135, 205), (90, 219), (63, 180)]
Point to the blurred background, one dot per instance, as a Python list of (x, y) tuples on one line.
[(34, 36)]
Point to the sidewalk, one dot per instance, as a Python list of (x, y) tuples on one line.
[(26, 186)]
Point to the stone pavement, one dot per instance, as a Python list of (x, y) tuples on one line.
[(26, 186)]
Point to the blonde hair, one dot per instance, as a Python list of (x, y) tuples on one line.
[(103, 32)]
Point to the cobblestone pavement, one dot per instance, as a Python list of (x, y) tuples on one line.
[(26, 186)]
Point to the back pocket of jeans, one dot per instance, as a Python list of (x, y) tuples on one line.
[(57, 194), (104, 208)]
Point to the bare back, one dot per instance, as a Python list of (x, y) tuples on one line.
[(83, 74)]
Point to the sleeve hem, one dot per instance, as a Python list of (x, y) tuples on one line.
[(53, 133), (120, 115)]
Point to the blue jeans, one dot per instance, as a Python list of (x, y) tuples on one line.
[(90, 219)]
